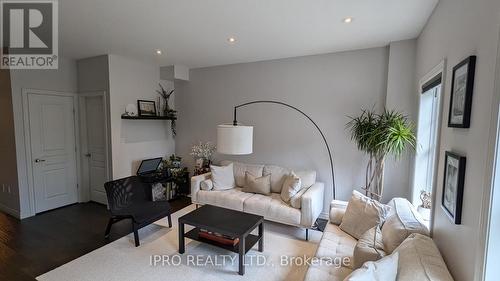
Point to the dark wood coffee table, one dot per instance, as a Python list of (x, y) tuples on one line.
[(227, 222)]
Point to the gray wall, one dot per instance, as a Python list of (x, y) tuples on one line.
[(458, 29), (9, 196), (401, 96), (327, 87), (135, 140)]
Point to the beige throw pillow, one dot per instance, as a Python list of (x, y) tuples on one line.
[(296, 200), (369, 247), (403, 220), (420, 259), (362, 213), (291, 186), (222, 177), (253, 184), (385, 269), (241, 168)]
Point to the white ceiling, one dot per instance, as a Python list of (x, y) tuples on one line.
[(194, 32)]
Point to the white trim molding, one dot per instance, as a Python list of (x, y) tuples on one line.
[(435, 71), (27, 143)]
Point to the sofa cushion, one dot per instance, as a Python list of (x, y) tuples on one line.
[(278, 175), (291, 186), (307, 178), (222, 176), (336, 243), (337, 211), (231, 199), (419, 259), (385, 269), (272, 208), (241, 168), (253, 184), (369, 247), (362, 213), (402, 221), (324, 272)]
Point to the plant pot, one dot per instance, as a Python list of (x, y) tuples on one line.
[(426, 213)]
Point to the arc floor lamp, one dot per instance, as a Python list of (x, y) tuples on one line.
[(237, 139)]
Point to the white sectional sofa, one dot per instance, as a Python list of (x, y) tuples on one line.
[(419, 257), (309, 201)]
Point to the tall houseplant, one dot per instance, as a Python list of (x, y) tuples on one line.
[(380, 135)]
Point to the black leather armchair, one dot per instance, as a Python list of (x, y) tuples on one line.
[(130, 198)]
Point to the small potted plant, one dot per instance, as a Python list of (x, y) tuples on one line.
[(175, 161)]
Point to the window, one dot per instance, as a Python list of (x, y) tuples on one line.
[(426, 155)]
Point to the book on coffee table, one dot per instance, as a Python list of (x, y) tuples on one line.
[(217, 237)]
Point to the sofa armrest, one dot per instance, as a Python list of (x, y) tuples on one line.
[(337, 211), (195, 185), (312, 204)]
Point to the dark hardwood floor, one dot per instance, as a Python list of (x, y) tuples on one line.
[(35, 245)]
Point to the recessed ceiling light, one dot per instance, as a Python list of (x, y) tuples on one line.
[(231, 40), (347, 20), (158, 51)]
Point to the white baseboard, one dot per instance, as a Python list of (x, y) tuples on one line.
[(10, 211), (324, 215)]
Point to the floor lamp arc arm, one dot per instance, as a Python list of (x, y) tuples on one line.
[(235, 123)]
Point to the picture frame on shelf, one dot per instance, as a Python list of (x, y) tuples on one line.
[(462, 88), (146, 108), (453, 186)]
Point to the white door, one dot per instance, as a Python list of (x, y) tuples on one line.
[(96, 147), (53, 150)]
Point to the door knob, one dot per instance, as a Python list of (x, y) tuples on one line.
[(88, 155), (39, 160)]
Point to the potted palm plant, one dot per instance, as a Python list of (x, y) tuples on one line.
[(380, 135)]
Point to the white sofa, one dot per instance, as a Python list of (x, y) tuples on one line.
[(419, 258), (270, 207)]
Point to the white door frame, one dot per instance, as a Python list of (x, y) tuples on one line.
[(438, 69), (488, 179), (85, 190), (27, 140)]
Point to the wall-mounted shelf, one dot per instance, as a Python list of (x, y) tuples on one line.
[(149, 118)]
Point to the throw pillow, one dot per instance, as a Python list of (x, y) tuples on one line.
[(222, 177), (369, 247), (403, 220), (385, 269), (261, 185), (241, 168), (206, 185), (278, 175), (419, 259), (308, 178), (291, 186), (362, 213), (296, 200)]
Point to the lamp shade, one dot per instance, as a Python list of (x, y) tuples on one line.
[(234, 140)]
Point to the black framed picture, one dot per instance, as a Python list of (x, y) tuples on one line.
[(146, 108), (461, 93), (453, 186)]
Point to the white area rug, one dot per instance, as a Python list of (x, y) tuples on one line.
[(120, 260)]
